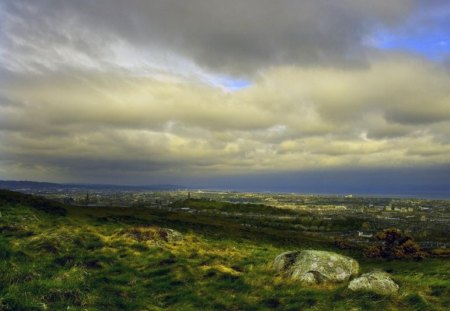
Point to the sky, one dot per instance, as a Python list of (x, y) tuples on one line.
[(346, 95)]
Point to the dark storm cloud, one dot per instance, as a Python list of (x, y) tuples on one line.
[(225, 35)]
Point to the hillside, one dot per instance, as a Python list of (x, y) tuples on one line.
[(125, 259), (8, 197)]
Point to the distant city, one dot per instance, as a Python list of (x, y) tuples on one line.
[(351, 217)]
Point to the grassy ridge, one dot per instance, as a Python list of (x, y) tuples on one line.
[(87, 260), (40, 203)]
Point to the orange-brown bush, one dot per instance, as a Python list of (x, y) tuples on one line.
[(393, 244)]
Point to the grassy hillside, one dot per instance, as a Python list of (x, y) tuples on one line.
[(115, 259), (40, 203)]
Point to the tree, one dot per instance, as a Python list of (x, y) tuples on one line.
[(393, 244)]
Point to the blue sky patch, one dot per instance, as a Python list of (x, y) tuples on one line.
[(233, 84), (433, 46)]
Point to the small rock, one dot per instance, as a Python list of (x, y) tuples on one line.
[(170, 235), (378, 282)]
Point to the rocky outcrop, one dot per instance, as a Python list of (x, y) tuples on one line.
[(316, 267), (378, 282)]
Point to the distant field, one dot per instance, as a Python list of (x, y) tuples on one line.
[(93, 259)]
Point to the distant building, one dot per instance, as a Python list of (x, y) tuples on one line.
[(362, 235)]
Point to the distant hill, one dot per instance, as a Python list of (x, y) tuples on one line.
[(37, 202), (33, 185)]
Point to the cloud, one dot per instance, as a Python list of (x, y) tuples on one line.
[(233, 36), (291, 118), (141, 91)]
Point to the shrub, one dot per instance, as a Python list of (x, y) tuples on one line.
[(393, 244)]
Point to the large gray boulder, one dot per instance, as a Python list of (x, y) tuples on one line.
[(377, 281), (315, 267)]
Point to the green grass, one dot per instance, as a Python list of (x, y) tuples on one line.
[(87, 261)]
